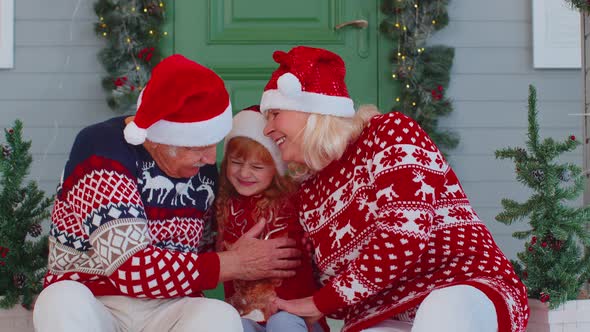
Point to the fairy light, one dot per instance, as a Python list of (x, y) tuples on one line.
[(128, 40), (433, 22), (413, 103), (407, 86), (151, 32), (161, 4), (137, 68), (397, 99), (145, 10), (394, 76), (165, 33)]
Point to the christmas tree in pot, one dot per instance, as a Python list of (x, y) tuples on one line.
[(556, 260), (23, 253)]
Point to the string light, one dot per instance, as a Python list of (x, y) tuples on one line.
[(413, 103), (407, 86), (101, 18), (137, 68), (132, 9), (128, 40), (161, 4), (397, 99), (394, 76), (165, 33), (151, 32), (433, 22), (104, 34), (145, 10), (415, 5)]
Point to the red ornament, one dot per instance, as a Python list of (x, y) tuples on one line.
[(120, 81), (10, 131), (440, 88), (525, 275), (531, 249), (533, 240), (544, 297), (132, 88), (573, 138), (544, 244)]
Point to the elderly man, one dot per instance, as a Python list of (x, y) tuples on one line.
[(132, 223)]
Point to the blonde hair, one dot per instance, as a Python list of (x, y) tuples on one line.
[(281, 186), (326, 137)]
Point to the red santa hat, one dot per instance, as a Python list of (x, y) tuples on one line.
[(250, 123), (183, 104), (308, 80)]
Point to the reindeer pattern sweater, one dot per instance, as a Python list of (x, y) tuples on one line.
[(390, 223), (121, 226)]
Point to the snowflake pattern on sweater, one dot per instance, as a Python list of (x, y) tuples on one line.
[(390, 223), (253, 299), (121, 226)]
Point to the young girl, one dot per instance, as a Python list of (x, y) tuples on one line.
[(253, 188)]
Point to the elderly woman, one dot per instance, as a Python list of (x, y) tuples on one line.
[(397, 243)]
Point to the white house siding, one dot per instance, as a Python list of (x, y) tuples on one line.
[(54, 87), (489, 88)]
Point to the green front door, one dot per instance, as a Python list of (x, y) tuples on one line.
[(236, 38)]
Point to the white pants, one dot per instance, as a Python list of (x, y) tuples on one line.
[(69, 306), (458, 308)]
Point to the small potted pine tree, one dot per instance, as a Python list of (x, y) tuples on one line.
[(555, 262), (23, 251)]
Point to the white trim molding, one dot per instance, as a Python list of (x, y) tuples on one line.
[(6, 33), (556, 35)]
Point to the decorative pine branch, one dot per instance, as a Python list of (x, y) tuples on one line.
[(132, 30), (423, 72)]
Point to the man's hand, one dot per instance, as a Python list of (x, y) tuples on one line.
[(250, 258), (304, 308)]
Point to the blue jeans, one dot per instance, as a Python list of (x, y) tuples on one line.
[(282, 321)]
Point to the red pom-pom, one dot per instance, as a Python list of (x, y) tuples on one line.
[(573, 138), (544, 297)]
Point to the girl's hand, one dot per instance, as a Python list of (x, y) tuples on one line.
[(304, 308)]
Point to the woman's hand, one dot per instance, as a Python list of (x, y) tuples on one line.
[(304, 308)]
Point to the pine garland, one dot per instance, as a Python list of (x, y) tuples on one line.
[(423, 72), (22, 209), (581, 5), (132, 30), (556, 260)]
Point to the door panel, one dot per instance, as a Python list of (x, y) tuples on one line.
[(236, 38)]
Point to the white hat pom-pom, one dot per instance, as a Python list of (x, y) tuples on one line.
[(133, 134), (289, 85)]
